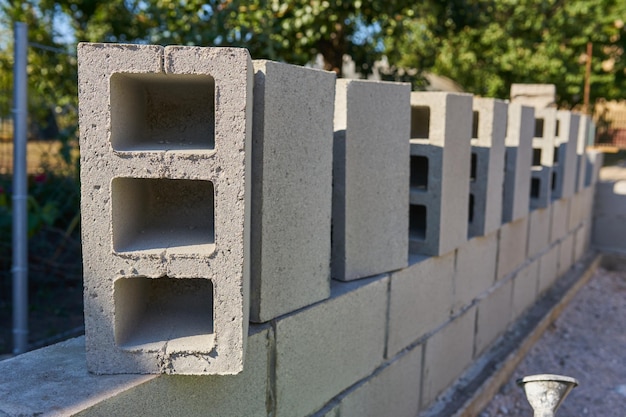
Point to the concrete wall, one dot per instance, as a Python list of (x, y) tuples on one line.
[(385, 344)]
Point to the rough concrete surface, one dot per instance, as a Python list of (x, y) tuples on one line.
[(586, 342)]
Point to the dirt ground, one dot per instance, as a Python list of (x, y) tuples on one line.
[(587, 342)]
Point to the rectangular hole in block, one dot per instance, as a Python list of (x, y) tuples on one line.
[(538, 128), (555, 158), (420, 122), (150, 312), (157, 112), (553, 181), (417, 222), (473, 166), (535, 187), (157, 214), (475, 120), (471, 208), (419, 172), (536, 157), (557, 128)]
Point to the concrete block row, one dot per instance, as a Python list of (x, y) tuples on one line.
[(487, 166), (440, 168), (165, 156)]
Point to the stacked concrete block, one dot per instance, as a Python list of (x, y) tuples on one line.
[(487, 166), (446, 355), (518, 161), (292, 188), (165, 198), (512, 244), (475, 273), (584, 130), (539, 223), (543, 157), (493, 316), (326, 348), (564, 174), (525, 288), (420, 299), (392, 391), (370, 178), (534, 95), (441, 129)]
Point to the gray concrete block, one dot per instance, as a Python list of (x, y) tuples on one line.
[(493, 316), (535, 95), (566, 254), (420, 299), (539, 222), (543, 158), (548, 269), (559, 219), (446, 355), (166, 395), (525, 289), (326, 348), (580, 242), (518, 162), (394, 391), (165, 215), (441, 128), (487, 166), (594, 162), (512, 241), (292, 156), (564, 169), (370, 178), (577, 210), (584, 130), (475, 269)]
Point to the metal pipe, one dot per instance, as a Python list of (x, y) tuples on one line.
[(20, 193)]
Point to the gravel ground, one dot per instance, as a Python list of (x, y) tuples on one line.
[(587, 342)]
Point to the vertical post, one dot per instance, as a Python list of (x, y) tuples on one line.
[(587, 78), (20, 194)]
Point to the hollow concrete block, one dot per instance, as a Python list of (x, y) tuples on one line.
[(370, 178), (165, 139), (565, 161), (518, 162), (475, 268), (543, 158), (493, 316), (512, 241), (441, 130), (420, 299), (292, 145), (325, 348), (539, 222), (447, 354), (536, 95), (487, 166)]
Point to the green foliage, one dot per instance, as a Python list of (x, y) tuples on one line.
[(486, 45)]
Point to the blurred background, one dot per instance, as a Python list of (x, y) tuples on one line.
[(477, 46)]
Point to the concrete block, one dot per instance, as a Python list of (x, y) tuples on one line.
[(165, 200), (564, 167), (237, 395), (594, 162), (292, 188), (566, 254), (580, 242), (539, 222), (420, 299), (548, 269), (584, 129), (543, 158), (370, 178), (535, 95), (394, 391), (446, 355), (441, 128), (475, 268), (525, 289), (559, 221), (512, 240), (326, 348), (493, 316), (487, 166), (518, 162)]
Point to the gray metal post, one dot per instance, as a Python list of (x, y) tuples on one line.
[(20, 194)]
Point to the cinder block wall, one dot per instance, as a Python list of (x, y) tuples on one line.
[(399, 326)]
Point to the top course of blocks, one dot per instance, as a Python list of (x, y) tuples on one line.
[(165, 141)]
